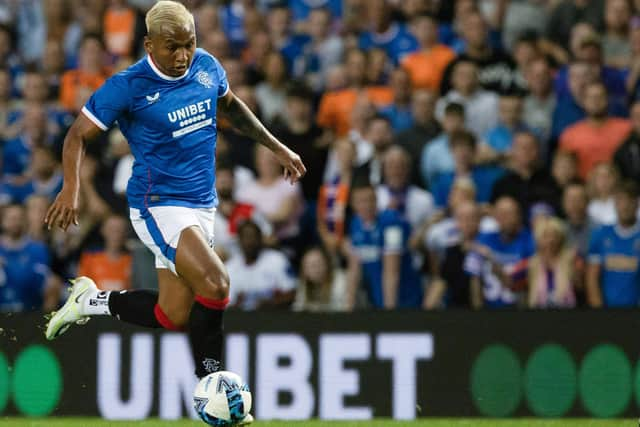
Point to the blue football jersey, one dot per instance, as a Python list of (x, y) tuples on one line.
[(512, 255), (388, 235), (617, 252), (170, 123), (23, 273)]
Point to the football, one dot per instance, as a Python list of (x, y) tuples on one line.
[(222, 399)]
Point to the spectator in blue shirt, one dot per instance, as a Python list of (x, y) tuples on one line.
[(499, 261), (301, 9), (463, 146), (24, 266), (282, 38), (497, 141), (613, 272), (399, 112), (436, 155), (45, 179), (386, 33), (379, 256), (17, 151)]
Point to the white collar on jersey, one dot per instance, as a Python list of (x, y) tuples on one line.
[(161, 74)]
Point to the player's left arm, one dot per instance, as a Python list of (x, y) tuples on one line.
[(243, 119)]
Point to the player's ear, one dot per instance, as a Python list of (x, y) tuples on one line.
[(148, 44)]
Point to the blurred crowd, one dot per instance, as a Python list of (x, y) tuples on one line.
[(460, 154)]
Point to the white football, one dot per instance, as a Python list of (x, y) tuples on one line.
[(222, 398)]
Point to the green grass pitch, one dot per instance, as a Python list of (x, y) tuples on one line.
[(430, 422)]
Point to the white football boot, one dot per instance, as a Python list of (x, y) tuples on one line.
[(71, 311)]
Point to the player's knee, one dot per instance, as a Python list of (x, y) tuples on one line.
[(217, 284)]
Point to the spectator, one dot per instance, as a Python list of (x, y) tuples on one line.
[(17, 151), (378, 67), (271, 92), (526, 181), (499, 260), (496, 69), (613, 271), (436, 156), (567, 13), (579, 226), (412, 203), (110, 266), (463, 146), (335, 108), (119, 26), (386, 33), (298, 130), (399, 112), (480, 106), (564, 168), (45, 179), (78, 84), (627, 156), (615, 42), (587, 47), (380, 136), (230, 213), (261, 277), (25, 275), (498, 140), (551, 269), (53, 67), (322, 53), (596, 138), (273, 196), (451, 284), (425, 127), (379, 257), (569, 108), (426, 66), (539, 104), (602, 182), (320, 286), (291, 45), (333, 199), (302, 9), (217, 44)]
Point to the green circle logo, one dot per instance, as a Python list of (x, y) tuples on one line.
[(550, 381), (496, 381), (4, 382), (605, 381), (37, 381)]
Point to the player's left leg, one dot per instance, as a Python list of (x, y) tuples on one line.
[(200, 267)]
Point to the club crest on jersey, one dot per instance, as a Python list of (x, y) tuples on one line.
[(204, 79)]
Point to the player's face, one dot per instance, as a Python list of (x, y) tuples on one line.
[(172, 49)]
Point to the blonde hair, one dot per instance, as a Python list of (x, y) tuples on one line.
[(553, 224), (167, 13)]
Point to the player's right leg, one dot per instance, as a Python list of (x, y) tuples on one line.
[(169, 309)]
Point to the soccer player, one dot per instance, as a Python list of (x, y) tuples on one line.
[(165, 105)]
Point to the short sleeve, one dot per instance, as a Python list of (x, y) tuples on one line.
[(223, 83), (594, 253), (108, 103)]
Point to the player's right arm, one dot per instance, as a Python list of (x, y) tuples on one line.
[(64, 209)]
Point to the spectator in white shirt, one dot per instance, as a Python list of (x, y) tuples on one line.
[(397, 192), (480, 106), (261, 278)]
